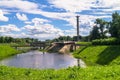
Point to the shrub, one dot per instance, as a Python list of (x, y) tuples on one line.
[(84, 43), (108, 41)]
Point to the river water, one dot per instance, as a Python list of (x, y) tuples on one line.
[(36, 59)]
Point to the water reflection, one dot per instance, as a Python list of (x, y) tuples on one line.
[(36, 59)]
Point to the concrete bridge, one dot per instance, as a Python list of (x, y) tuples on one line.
[(63, 47)]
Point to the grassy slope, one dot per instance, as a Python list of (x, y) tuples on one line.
[(91, 73), (93, 55), (6, 50), (101, 55)]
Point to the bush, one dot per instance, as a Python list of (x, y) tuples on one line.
[(84, 43), (108, 41)]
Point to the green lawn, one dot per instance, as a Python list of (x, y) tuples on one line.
[(100, 55), (90, 73)]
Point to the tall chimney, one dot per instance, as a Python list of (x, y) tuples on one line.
[(77, 28)]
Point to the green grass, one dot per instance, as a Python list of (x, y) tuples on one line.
[(101, 55), (77, 52), (6, 50), (90, 73), (24, 49)]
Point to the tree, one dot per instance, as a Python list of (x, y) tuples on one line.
[(68, 38), (115, 25), (75, 38), (102, 25), (94, 34), (2, 39)]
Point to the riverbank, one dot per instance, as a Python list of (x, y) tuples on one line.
[(100, 55), (6, 51), (75, 73)]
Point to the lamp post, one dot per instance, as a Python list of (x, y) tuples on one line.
[(77, 27)]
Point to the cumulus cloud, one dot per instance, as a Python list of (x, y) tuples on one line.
[(2, 17), (42, 29), (72, 5), (19, 4), (81, 5), (38, 21), (39, 24), (71, 8), (21, 17), (8, 28)]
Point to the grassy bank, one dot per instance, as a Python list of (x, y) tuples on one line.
[(92, 55), (91, 73), (6, 50), (100, 55)]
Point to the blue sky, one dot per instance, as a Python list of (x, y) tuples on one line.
[(48, 19)]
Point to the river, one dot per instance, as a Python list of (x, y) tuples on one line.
[(40, 60)]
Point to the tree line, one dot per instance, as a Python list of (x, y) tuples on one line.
[(104, 29), (6, 39)]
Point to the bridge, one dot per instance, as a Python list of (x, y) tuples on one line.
[(40, 45), (63, 47)]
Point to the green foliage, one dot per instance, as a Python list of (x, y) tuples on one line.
[(99, 30), (94, 34), (102, 27), (6, 50), (115, 25), (108, 41), (75, 73), (5, 39), (101, 24), (101, 55), (84, 43)]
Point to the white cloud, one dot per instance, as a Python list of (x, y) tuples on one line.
[(38, 21), (21, 17), (28, 22), (2, 17), (108, 4), (19, 4), (42, 29), (80, 5), (8, 28), (72, 5)]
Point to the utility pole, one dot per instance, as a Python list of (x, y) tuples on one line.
[(77, 27)]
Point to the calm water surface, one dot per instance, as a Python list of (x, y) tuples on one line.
[(36, 59)]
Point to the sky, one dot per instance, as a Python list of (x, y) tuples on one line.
[(48, 19)]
